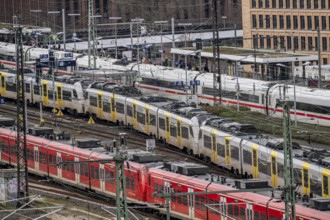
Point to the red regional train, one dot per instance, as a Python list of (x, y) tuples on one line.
[(143, 180)]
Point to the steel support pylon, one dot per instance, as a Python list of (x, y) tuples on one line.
[(91, 36), (121, 203), (289, 185), (22, 165)]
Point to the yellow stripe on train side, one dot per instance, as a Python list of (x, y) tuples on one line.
[(274, 168), (99, 103), (255, 165), (2, 84), (59, 95), (214, 156), (305, 178), (325, 183), (227, 150)]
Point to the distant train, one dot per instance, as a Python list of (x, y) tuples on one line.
[(237, 147), (312, 105), (145, 179)]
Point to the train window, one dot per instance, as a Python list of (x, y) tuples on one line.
[(128, 185), (273, 165), (254, 157), (147, 116), (313, 108), (179, 198), (59, 93), (27, 88), (156, 187), (316, 187), (247, 157), (75, 94), (106, 107), (66, 95), (152, 119), (197, 202), (179, 128), (230, 210), (36, 90), (191, 131), (11, 86), (227, 148), (107, 176), (202, 203), (272, 218), (325, 185), (241, 213), (262, 216), (92, 172), (99, 101), (264, 167), (211, 205), (234, 152), (306, 177), (97, 173), (221, 150), (262, 98), (184, 200), (51, 95), (112, 177), (185, 133), (161, 123), (120, 107), (132, 184), (207, 141), (280, 169), (93, 101), (256, 215), (236, 210), (141, 118), (129, 110), (167, 124), (173, 131), (173, 198)]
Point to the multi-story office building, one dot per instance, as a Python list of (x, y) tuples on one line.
[(287, 25)]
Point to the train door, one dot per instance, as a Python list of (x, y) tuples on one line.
[(113, 107), (227, 150), (249, 213), (214, 155), (305, 179), (167, 126), (59, 167), (134, 113), (102, 183), (191, 203), (36, 158), (223, 208), (325, 183), (147, 119), (45, 92), (99, 104), (59, 96), (2, 84), (179, 131), (274, 168), (255, 168), (77, 170)]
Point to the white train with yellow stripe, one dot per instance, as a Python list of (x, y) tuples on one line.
[(69, 91), (251, 158)]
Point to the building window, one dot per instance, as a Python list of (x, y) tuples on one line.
[(254, 3), (282, 42), (295, 22), (261, 21), (316, 4), (302, 22), (295, 43), (267, 4), (267, 21), (324, 44), (275, 42), (303, 43), (316, 21), (255, 41), (309, 22), (287, 3), (288, 43), (310, 43), (309, 4), (280, 3), (262, 42), (254, 21), (281, 21), (268, 42), (260, 3), (274, 3), (325, 61), (294, 4), (288, 22), (274, 21), (302, 4), (323, 4), (324, 22)]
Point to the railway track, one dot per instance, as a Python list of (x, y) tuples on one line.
[(108, 131)]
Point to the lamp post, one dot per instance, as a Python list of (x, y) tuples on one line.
[(74, 35), (115, 19), (224, 21), (185, 31), (137, 21), (161, 37), (54, 13)]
